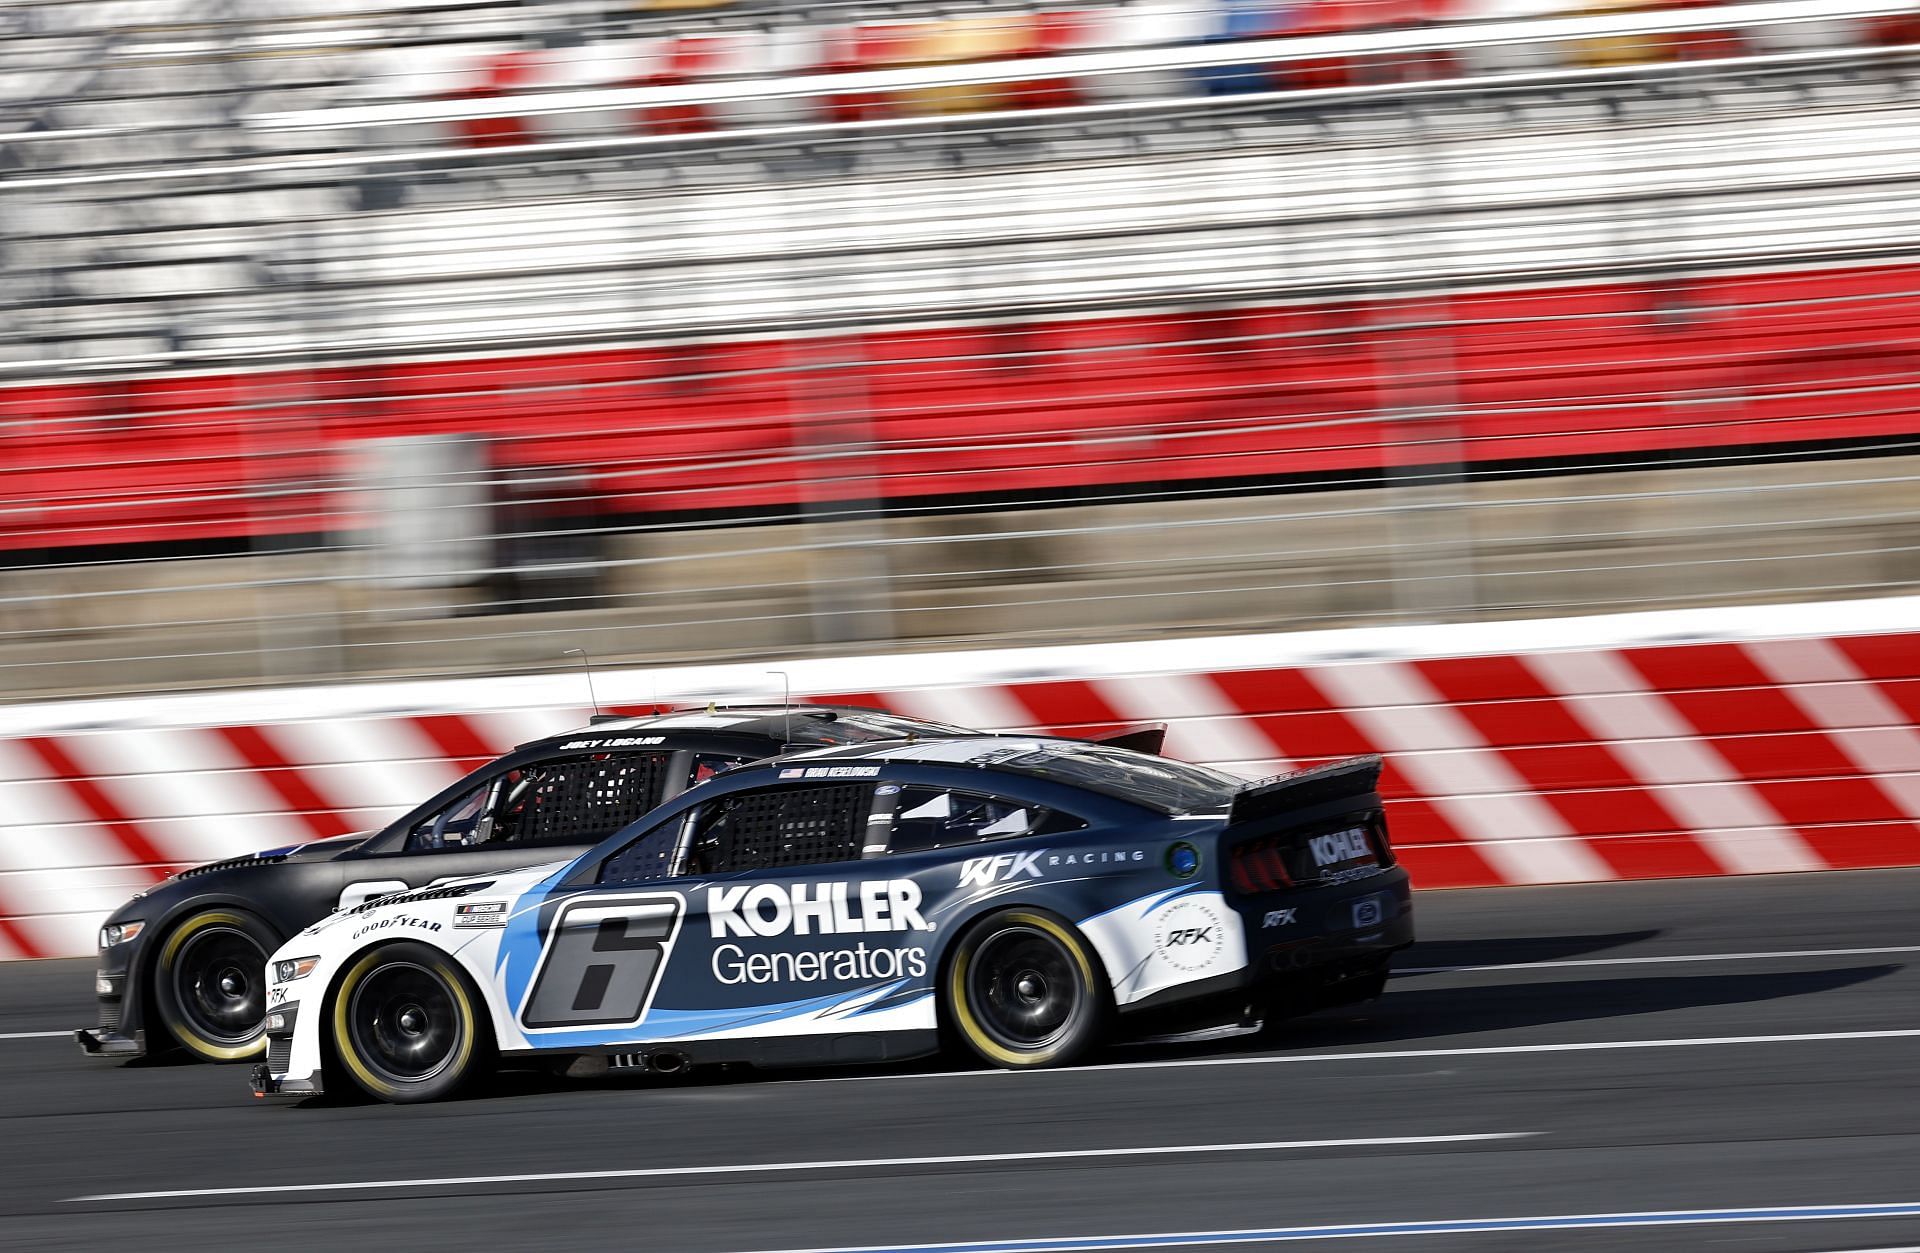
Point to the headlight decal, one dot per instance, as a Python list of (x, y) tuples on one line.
[(120, 932), (287, 969)]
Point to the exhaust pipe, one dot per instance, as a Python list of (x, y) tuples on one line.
[(668, 1062)]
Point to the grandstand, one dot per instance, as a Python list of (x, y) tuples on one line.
[(693, 330)]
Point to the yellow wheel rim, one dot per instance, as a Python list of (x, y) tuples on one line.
[(349, 1052), (963, 1013), (183, 1031)]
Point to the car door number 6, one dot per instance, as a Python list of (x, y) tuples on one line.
[(602, 962)]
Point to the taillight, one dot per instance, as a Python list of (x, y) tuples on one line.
[(1377, 837), (1257, 866)]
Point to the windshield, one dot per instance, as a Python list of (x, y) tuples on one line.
[(1172, 787), (870, 727)]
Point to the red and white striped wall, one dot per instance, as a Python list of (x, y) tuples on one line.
[(1698, 742)]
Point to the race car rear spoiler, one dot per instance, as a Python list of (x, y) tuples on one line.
[(1141, 737), (1354, 777)]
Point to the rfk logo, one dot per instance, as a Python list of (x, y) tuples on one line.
[(979, 872), (1190, 937)]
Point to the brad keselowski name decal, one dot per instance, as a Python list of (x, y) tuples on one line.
[(830, 772)]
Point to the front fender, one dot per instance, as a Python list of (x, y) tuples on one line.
[(143, 952)]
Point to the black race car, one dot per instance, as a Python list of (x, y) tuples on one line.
[(184, 962)]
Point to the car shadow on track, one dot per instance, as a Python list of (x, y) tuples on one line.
[(1405, 1016), (1409, 1014), (1509, 950)]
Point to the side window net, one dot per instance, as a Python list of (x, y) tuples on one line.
[(580, 799), (645, 859), (771, 828)]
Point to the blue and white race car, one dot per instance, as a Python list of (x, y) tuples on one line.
[(1025, 898)]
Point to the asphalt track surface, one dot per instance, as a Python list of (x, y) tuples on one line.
[(1783, 1083)]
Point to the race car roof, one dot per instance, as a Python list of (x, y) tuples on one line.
[(1156, 782), (965, 748), (789, 724)]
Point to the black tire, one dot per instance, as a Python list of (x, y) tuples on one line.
[(1023, 990), (407, 1026), (210, 984)]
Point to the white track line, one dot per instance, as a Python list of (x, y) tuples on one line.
[(756, 1168), (37, 1035), (1491, 1050), (1431, 1227), (1651, 961)]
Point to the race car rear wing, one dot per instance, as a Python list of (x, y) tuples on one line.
[(1141, 737), (1350, 777)]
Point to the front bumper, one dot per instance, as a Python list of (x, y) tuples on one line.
[(104, 1042), (274, 1076), (119, 1034), (264, 1084)]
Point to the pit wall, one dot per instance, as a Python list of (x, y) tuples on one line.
[(1749, 740)]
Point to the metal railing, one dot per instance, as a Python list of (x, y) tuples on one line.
[(309, 406)]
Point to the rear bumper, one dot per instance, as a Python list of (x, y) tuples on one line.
[(102, 1042), (1303, 944), (1351, 925), (264, 1084)]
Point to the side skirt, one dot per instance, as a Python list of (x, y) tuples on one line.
[(770, 1051)]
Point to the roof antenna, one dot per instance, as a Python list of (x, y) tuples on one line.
[(786, 706), (586, 667)]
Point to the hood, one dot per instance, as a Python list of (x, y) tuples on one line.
[(504, 885), (142, 903), (320, 850)]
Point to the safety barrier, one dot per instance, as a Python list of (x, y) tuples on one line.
[(1689, 742)]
